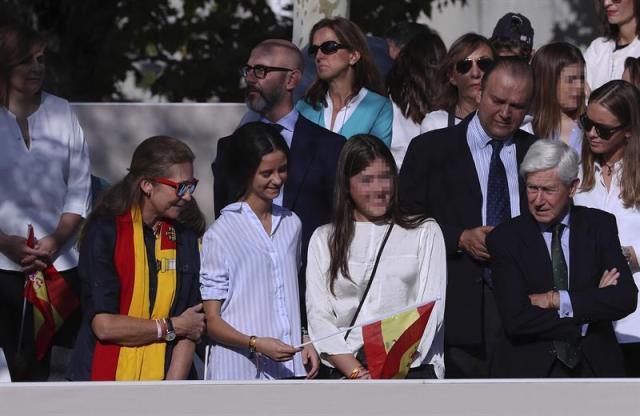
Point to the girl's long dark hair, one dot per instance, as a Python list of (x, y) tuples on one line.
[(411, 80), (356, 155), (152, 159)]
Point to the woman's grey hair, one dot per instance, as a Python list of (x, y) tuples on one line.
[(547, 154)]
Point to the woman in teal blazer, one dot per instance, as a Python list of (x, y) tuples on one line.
[(346, 96)]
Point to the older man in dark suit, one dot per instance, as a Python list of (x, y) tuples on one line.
[(272, 72), (560, 277), (466, 177)]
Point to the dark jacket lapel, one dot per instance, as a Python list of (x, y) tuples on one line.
[(302, 154)]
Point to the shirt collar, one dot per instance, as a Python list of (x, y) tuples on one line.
[(617, 166), (564, 221), (480, 136), (353, 102), (288, 122), (241, 206)]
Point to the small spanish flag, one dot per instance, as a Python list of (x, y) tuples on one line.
[(52, 299), (391, 344)]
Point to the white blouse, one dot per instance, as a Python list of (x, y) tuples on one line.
[(628, 219), (604, 63), (256, 277), (403, 131), (435, 120), (40, 183), (412, 269)]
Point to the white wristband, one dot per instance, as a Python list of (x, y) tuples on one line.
[(159, 328)]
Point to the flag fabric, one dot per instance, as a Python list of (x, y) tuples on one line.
[(52, 299), (391, 344), (146, 362)]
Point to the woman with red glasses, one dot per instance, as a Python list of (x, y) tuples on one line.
[(347, 96), (45, 183), (139, 266), (458, 81), (610, 181), (606, 55)]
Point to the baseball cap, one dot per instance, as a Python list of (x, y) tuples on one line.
[(515, 27)]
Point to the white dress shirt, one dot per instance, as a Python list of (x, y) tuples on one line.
[(256, 277), (481, 151), (39, 184), (412, 269), (628, 219)]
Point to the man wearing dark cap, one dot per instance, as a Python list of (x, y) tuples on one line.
[(513, 36)]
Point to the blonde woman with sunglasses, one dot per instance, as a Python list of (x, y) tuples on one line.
[(610, 181)]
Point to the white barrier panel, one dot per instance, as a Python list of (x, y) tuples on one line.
[(403, 398), (113, 130)]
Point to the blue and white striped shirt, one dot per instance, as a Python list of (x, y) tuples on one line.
[(256, 277), (478, 141)]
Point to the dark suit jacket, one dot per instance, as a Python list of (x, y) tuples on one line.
[(308, 190), (521, 266), (439, 179)]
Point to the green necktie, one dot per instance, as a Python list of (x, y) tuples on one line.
[(560, 273), (566, 353)]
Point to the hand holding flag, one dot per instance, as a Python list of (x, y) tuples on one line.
[(392, 340)]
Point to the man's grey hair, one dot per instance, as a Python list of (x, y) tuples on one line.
[(547, 154)]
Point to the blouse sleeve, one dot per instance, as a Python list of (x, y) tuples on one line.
[(320, 315), (78, 196), (214, 272), (433, 281)]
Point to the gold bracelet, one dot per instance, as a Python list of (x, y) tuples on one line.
[(355, 373), (252, 343)]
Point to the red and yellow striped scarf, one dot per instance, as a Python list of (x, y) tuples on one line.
[(147, 362)]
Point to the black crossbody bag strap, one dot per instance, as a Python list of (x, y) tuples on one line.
[(451, 118), (373, 274)]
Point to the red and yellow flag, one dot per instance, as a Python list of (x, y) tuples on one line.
[(391, 344), (52, 299)]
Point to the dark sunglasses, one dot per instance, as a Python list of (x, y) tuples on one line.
[(261, 71), (328, 48), (181, 187), (604, 132), (464, 66)]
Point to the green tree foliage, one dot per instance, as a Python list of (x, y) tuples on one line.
[(180, 50)]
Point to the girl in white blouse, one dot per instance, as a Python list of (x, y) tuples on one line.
[(610, 174), (249, 272), (412, 267)]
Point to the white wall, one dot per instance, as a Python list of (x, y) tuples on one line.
[(570, 20), (113, 130)]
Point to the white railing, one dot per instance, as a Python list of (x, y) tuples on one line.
[(335, 398)]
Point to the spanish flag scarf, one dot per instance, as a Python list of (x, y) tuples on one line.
[(146, 362)]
